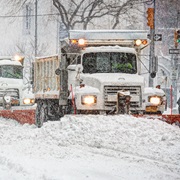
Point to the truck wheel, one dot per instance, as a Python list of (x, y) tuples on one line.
[(41, 115)]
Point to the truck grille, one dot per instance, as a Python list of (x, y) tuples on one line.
[(135, 93)]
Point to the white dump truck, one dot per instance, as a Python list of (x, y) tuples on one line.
[(13, 91), (97, 71)]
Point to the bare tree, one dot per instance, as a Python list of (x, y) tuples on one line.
[(126, 10), (82, 13), (85, 12)]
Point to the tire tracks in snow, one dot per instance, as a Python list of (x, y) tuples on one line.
[(13, 166), (98, 148), (170, 167)]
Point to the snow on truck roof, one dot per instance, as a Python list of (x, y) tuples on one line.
[(9, 61), (2, 58), (108, 34), (110, 49)]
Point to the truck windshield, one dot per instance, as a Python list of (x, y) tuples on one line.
[(9, 71), (112, 62)]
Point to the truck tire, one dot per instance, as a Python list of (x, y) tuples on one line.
[(53, 110), (41, 114)]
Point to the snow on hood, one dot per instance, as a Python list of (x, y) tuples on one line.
[(153, 91), (113, 79), (5, 82), (84, 90)]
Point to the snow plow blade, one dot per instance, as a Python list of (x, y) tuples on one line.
[(169, 118), (22, 116), (28, 116)]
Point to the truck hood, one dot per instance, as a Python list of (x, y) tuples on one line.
[(10, 83), (116, 79)]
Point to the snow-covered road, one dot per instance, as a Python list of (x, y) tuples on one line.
[(90, 147)]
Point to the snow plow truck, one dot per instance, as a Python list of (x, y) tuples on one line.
[(16, 98), (97, 72)]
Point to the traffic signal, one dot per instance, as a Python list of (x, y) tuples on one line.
[(150, 17), (178, 36), (175, 39)]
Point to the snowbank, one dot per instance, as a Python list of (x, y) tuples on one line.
[(90, 147)]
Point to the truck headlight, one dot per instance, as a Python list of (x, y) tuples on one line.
[(155, 100), (88, 99), (28, 101)]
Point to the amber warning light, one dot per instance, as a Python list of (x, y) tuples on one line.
[(79, 42), (138, 42), (19, 58), (73, 41)]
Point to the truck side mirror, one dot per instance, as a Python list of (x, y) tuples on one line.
[(58, 71), (153, 74)]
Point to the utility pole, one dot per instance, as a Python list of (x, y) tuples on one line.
[(35, 42), (178, 40), (175, 63), (152, 59)]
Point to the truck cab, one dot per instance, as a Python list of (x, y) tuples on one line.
[(13, 92)]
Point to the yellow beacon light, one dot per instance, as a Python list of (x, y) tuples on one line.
[(17, 57), (144, 42), (74, 41)]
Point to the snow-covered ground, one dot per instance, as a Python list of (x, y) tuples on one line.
[(90, 147)]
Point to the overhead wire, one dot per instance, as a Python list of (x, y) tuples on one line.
[(11, 16), (54, 14)]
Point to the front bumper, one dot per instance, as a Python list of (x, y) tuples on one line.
[(155, 109)]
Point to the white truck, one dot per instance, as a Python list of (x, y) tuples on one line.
[(96, 72), (13, 91)]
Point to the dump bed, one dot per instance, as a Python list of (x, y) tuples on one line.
[(46, 82)]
